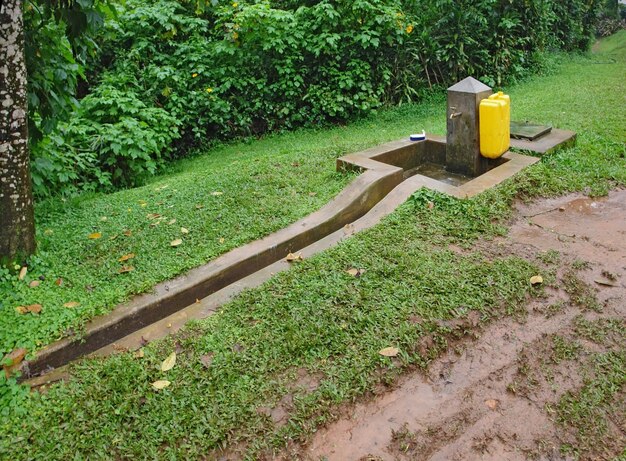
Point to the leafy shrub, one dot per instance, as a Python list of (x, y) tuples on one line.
[(114, 139)]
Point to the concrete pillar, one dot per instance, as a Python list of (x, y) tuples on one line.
[(462, 140)]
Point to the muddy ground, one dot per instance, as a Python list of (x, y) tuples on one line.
[(497, 397)]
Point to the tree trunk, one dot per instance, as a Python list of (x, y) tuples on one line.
[(17, 222)]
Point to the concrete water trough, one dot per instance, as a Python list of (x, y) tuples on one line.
[(390, 174)]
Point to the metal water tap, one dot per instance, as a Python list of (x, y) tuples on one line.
[(454, 114)]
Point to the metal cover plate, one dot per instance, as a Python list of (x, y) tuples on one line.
[(528, 130)]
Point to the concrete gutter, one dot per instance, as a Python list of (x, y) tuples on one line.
[(171, 296), (377, 192)]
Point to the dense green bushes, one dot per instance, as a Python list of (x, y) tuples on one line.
[(173, 76)]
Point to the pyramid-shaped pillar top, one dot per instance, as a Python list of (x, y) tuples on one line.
[(469, 85)]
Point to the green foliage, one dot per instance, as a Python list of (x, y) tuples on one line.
[(113, 139), (58, 43), (223, 70)]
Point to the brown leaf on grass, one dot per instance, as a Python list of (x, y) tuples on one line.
[(536, 280), (71, 304), (113, 237), (126, 257), (12, 360), (169, 362), (216, 193), (153, 215), (34, 283), (33, 308), (95, 235), (291, 257), (207, 359), (127, 233), (58, 282), (139, 353), (431, 205), (161, 384), (389, 352), (125, 269), (176, 242), (199, 207), (23, 272), (171, 221), (355, 272), (184, 230)]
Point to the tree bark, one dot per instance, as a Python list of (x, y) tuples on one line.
[(17, 222)]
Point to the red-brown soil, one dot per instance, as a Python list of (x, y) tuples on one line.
[(491, 400)]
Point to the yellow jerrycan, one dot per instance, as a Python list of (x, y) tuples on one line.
[(495, 125)]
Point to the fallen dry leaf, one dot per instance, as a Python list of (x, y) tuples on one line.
[(23, 272), (126, 269), (536, 280), (48, 232), (312, 194), (127, 233), (431, 205), (291, 257), (492, 403), (207, 359), (95, 235), (12, 360), (221, 240), (389, 352), (34, 308), (199, 207), (606, 283), (139, 354), (103, 218), (71, 304), (34, 283), (58, 282), (216, 193), (184, 231), (153, 215), (355, 272), (176, 242), (169, 362), (161, 384), (171, 221), (126, 257)]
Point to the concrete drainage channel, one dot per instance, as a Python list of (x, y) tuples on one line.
[(391, 173)]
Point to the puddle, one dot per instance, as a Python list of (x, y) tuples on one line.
[(439, 173)]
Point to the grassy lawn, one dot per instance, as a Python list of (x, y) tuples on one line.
[(314, 323)]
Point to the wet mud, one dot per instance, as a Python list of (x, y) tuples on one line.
[(491, 400)]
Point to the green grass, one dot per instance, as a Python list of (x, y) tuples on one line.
[(316, 319)]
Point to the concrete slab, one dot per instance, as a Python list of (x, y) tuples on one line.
[(556, 139)]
